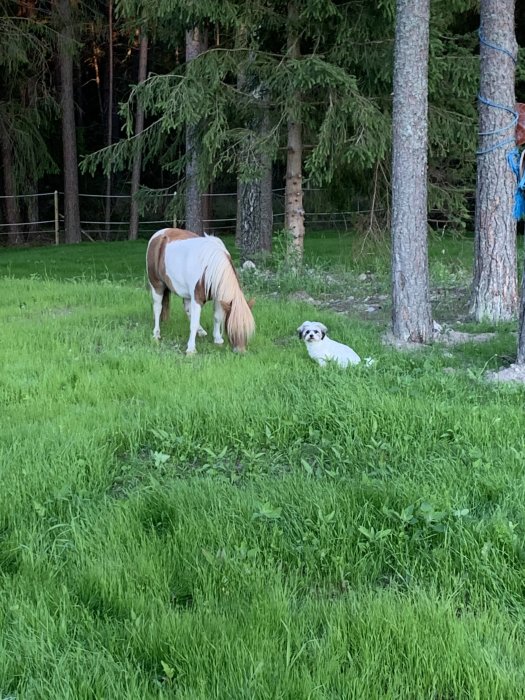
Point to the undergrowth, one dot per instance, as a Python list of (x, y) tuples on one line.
[(250, 527)]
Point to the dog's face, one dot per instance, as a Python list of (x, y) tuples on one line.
[(311, 331)]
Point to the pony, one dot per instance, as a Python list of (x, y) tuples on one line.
[(198, 269)]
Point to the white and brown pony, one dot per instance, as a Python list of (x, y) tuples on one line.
[(198, 268)]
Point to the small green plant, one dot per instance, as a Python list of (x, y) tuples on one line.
[(419, 517), (169, 672), (373, 535), (265, 511)]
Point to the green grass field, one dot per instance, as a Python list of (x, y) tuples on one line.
[(252, 527)]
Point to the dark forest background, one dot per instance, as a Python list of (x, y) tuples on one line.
[(344, 75)]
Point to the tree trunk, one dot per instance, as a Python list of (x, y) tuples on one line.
[(241, 43), (250, 214), (69, 142), (253, 234), (195, 45), (254, 220), (521, 333), (254, 213), (12, 210), (110, 116), (139, 127), (266, 201), (411, 312), (294, 212), (494, 293)]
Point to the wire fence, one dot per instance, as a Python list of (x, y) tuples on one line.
[(44, 218)]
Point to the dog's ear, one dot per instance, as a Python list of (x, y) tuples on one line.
[(323, 329), (300, 331)]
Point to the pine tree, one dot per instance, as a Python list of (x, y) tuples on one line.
[(110, 114), (139, 126), (69, 142), (411, 314), (294, 212), (341, 124), (12, 210), (254, 224), (26, 108), (196, 44), (494, 294)]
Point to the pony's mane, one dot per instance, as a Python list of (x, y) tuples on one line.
[(220, 278), (221, 283)]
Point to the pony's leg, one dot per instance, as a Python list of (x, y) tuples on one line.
[(157, 310), (218, 319), (195, 317), (200, 331)]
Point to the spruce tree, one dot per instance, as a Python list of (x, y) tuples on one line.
[(341, 124)]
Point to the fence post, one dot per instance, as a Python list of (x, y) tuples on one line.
[(57, 230)]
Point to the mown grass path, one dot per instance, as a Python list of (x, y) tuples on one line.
[(248, 527)]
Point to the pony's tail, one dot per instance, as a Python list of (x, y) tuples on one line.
[(240, 323), (164, 314)]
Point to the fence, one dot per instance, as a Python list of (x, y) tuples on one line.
[(45, 222)]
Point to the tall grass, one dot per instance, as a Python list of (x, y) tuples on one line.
[(247, 527)]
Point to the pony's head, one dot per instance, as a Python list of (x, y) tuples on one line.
[(238, 321)]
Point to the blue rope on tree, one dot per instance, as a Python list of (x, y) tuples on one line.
[(515, 161), (484, 40), (495, 105), (501, 130), (514, 157)]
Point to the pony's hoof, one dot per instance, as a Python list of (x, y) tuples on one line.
[(219, 341), (156, 338), (191, 352), (201, 332)]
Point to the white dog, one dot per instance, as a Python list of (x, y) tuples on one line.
[(322, 349)]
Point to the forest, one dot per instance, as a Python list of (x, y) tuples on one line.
[(104, 72)]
